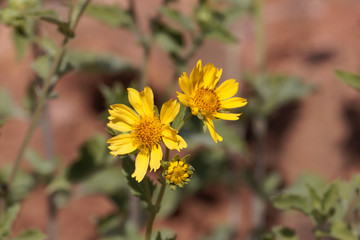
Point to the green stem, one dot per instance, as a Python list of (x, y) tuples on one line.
[(184, 121), (260, 37), (43, 99), (155, 208)]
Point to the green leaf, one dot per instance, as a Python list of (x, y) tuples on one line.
[(284, 233), (177, 17), (93, 155), (168, 43), (48, 45), (271, 183), (42, 65), (41, 166), (351, 79), (113, 15), (21, 43), (220, 33), (287, 201), (30, 234), (6, 106), (111, 223), (95, 62), (21, 186), (143, 190), (170, 39), (7, 220), (340, 231), (113, 177)]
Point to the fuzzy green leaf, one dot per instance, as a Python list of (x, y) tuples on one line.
[(93, 154), (42, 65), (143, 190), (7, 220), (351, 79), (113, 15), (21, 43), (340, 231), (177, 17), (287, 201), (284, 233)]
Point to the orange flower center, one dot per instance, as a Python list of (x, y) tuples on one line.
[(148, 132), (207, 100)]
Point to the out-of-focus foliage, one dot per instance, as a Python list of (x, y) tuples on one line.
[(351, 79), (333, 208), (273, 92)]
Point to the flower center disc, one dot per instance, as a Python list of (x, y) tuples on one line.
[(207, 100), (148, 132)]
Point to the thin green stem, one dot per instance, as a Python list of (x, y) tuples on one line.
[(184, 121), (43, 98), (156, 207)]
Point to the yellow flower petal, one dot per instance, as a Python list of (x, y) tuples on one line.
[(156, 156), (227, 89), (147, 99), (185, 84), (234, 102), (122, 109), (227, 116), (211, 76), (135, 100), (141, 165), (169, 110), (211, 128), (170, 138), (184, 99), (182, 143), (122, 144), (196, 75), (122, 118)]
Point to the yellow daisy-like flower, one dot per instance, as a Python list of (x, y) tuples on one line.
[(177, 172), (144, 130), (206, 99)]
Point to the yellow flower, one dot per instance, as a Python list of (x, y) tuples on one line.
[(144, 130), (207, 100), (177, 172)]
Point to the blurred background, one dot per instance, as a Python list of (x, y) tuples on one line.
[(313, 128)]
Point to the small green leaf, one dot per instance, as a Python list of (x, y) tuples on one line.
[(6, 106), (177, 17), (351, 79), (30, 234), (42, 65), (340, 231), (113, 15), (21, 43), (143, 190), (284, 233), (287, 201), (108, 181), (168, 38), (93, 154), (41, 166), (7, 220), (21, 186)]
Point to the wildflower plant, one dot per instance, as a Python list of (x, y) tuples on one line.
[(141, 131)]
